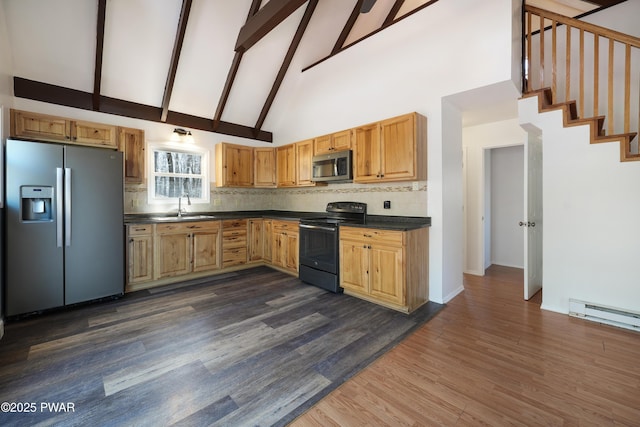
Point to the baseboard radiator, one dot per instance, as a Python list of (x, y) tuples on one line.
[(603, 314)]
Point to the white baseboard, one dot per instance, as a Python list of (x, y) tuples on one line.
[(474, 272), (453, 294), (504, 264)]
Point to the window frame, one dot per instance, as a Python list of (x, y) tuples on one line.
[(152, 147)]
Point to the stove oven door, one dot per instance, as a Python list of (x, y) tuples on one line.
[(319, 247)]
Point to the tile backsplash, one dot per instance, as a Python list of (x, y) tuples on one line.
[(406, 198)]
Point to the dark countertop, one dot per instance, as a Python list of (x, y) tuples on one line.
[(401, 223)]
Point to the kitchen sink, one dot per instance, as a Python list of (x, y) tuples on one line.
[(182, 218)]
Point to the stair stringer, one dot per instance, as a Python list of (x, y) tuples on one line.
[(596, 124)]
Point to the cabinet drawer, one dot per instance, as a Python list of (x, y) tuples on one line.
[(234, 223), (234, 256), (285, 226), (181, 227), (373, 235), (234, 241), (139, 229)]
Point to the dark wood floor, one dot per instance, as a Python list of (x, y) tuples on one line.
[(491, 358), (256, 347)]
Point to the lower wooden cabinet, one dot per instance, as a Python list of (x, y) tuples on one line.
[(139, 253), (185, 247), (285, 248), (255, 240), (267, 238), (385, 266), (234, 242)]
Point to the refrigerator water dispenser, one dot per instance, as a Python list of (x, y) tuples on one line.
[(35, 203)]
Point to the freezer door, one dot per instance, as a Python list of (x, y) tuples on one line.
[(94, 235), (34, 259)]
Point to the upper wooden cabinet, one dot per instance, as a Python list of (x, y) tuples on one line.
[(286, 165), (338, 141), (234, 165), (131, 143), (264, 167), (304, 167), (93, 134), (391, 150), (25, 124), (39, 126)]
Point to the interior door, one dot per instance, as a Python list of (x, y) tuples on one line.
[(532, 225)]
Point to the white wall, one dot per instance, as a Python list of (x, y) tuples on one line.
[(507, 206), (478, 140), (6, 76), (591, 211)]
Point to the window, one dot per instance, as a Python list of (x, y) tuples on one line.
[(177, 171)]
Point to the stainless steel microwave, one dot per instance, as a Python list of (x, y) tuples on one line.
[(333, 167)]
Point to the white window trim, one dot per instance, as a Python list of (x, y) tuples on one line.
[(183, 148)]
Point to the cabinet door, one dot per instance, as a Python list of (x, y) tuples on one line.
[(354, 266), (173, 254), (367, 165), (131, 143), (286, 165), (243, 167), (279, 249), (387, 274), (264, 167), (140, 259), (93, 134), (39, 126), (322, 145), (206, 246), (304, 157), (398, 148), (256, 240), (341, 140), (292, 251), (267, 236)]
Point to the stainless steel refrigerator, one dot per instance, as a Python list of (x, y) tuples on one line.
[(64, 225)]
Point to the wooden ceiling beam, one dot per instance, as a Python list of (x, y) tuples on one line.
[(233, 70), (393, 12), (97, 73), (295, 42), (45, 92), (175, 57), (272, 14), (348, 26)]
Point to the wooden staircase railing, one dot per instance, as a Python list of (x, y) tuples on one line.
[(576, 60)]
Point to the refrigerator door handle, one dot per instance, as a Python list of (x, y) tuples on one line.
[(59, 206), (67, 206)]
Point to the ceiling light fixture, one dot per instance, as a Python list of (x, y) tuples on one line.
[(180, 134), (367, 5)]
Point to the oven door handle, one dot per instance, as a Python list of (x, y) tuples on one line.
[(318, 227)]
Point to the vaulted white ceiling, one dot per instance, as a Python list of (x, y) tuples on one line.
[(55, 42)]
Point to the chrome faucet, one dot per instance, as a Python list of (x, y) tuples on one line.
[(180, 203)]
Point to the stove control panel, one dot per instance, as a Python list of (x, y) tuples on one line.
[(349, 207)]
